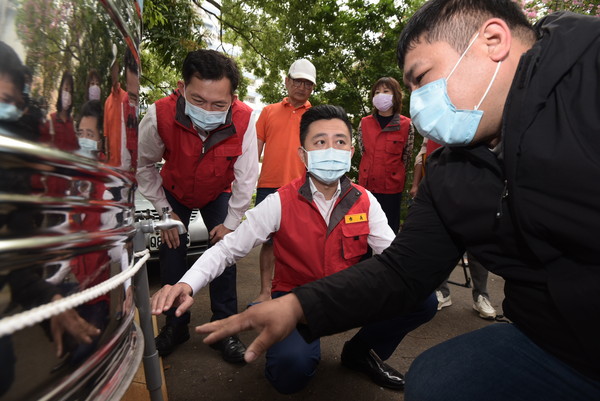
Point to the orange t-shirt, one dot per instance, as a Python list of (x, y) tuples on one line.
[(113, 125), (279, 128)]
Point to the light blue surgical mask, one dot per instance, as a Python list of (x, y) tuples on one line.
[(207, 120), (436, 118), (328, 165), (87, 147), (9, 112)]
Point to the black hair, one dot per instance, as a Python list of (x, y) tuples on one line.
[(130, 62), (393, 85), (212, 65), (65, 77), (322, 112), (456, 21), (11, 66)]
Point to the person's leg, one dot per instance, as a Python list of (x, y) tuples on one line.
[(481, 298), (291, 363), (266, 257), (496, 363), (223, 291), (376, 342), (390, 203), (173, 265), (384, 336)]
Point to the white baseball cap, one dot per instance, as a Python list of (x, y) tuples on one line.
[(303, 69)]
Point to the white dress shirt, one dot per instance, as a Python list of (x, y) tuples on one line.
[(151, 149), (265, 219)]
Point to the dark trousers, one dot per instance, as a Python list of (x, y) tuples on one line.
[(390, 203), (292, 362), (173, 262)]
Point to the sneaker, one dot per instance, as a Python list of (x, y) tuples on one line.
[(484, 307), (442, 300)]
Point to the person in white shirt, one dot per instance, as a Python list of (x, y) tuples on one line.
[(207, 139), (320, 224)]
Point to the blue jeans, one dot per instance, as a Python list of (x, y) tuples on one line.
[(496, 363), (173, 262), (292, 362)]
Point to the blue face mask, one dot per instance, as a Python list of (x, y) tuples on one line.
[(9, 112), (436, 118), (328, 165), (87, 147), (207, 120)]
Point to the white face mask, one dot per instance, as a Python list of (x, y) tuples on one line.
[(65, 100), (94, 92), (9, 112), (383, 101), (87, 147)]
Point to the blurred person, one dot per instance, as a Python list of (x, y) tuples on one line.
[(12, 82), (386, 141), (320, 224), (89, 133), (93, 83), (516, 185), (121, 115), (59, 131), (207, 139), (277, 131)]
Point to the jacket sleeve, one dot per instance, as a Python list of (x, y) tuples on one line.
[(385, 285)]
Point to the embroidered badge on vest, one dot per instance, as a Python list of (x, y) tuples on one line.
[(355, 218)]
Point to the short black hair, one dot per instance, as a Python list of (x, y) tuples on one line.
[(11, 66), (322, 112), (93, 108), (67, 76), (211, 65), (456, 21), (130, 62)]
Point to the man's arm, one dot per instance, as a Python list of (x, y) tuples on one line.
[(246, 175), (260, 223), (150, 151)]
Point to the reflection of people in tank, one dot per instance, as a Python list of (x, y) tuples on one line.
[(93, 86), (120, 116), (11, 85), (59, 131), (89, 132)]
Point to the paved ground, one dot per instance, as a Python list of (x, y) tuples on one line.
[(196, 372)]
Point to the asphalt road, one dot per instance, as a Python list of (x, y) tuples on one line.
[(196, 372)]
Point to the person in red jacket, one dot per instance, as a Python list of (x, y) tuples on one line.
[(386, 141), (207, 139), (320, 224), (59, 131)]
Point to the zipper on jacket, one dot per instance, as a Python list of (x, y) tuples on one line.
[(503, 196)]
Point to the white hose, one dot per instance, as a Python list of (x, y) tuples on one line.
[(12, 324)]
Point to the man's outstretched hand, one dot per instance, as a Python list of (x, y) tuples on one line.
[(274, 320)]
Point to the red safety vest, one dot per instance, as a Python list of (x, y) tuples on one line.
[(305, 248), (381, 168), (196, 171)]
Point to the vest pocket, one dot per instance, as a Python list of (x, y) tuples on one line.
[(394, 145), (354, 239), (225, 156)]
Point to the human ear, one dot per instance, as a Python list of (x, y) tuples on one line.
[(180, 85), (302, 155), (498, 39)]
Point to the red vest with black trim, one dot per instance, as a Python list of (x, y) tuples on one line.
[(196, 171), (305, 247), (381, 168)]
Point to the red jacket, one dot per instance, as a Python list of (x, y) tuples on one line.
[(381, 168), (305, 248), (197, 171)]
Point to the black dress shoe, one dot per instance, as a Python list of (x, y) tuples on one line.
[(367, 361), (231, 348), (170, 337)]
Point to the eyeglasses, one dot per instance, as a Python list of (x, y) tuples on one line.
[(296, 83)]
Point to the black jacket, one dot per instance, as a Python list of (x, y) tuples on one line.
[(530, 214)]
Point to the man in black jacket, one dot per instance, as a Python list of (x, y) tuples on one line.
[(518, 186)]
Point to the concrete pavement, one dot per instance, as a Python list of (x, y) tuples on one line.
[(195, 372)]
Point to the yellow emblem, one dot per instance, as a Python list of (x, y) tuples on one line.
[(355, 218)]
